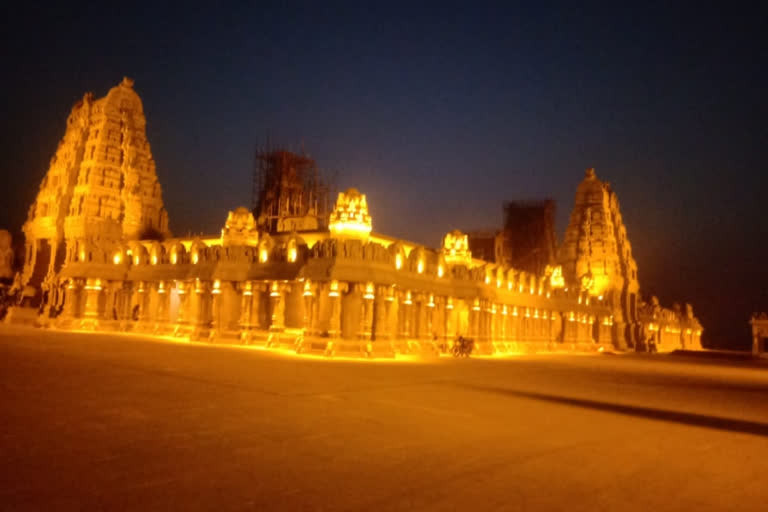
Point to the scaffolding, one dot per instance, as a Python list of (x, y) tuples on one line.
[(529, 241), (288, 193)]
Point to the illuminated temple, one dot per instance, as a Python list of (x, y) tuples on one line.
[(298, 273)]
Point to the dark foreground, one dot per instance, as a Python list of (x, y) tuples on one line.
[(123, 423)]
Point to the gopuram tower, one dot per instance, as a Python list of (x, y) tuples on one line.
[(597, 257), (100, 189)]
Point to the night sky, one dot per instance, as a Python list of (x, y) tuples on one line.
[(438, 113)]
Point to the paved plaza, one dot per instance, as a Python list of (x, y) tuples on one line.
[(119, 422)]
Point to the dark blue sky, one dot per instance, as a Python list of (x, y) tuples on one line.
[(438, 113)]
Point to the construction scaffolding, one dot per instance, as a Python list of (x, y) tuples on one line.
[(528, 238), (288, 193)]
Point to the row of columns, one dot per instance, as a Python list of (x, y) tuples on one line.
[(329, 309)]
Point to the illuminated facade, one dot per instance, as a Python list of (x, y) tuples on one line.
[(285, 280)]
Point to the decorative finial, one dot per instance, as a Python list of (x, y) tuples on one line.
[(127, 82), (590, 173)]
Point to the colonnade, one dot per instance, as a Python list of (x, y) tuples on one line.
[(329, 316)]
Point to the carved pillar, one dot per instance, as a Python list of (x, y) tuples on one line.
[(202, 309), (142, 299), (163, 309), (277, 307), (405, 321), (71, 299), (310, 310), (91, 311), (366, 313), (182, 316), (381, 321), (334, 322)]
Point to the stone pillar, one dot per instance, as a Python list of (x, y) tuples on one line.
[(91, 313), (381, 321), (71, 300), (183, 316), (248, 306), (310, 312), (142, 299), (276, 312), (161, 316), (366, 316), (334, 323)]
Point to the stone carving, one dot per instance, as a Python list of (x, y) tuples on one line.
[(240, 228), (101, 183), (350, 217), (456, 248)]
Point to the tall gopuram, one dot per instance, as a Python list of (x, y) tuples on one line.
[(596, 255), (100, 189)]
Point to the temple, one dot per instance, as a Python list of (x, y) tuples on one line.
[(299, 273)]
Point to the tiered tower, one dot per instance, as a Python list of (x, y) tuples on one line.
[(596, 254), (101, 187)]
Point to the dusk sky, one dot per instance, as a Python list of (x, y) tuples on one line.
[(438, 113)]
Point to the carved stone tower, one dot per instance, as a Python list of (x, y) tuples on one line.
[(101, 187), (597, 256)]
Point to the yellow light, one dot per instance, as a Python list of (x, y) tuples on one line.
[(161, 287), (154, 259), (449, 304), (487, 279), (174, 257), (440, 271), (274, 291), (420, 267), (263, 255), (599, 297), (369, 291), (217, 287), (504, 310), (195, 258), (136, 259), (334, 291), (527, 313), (350, 228), (431, 302), (556, 280), (398, 261), (476, 305), (408, 300), (117, 258), (292, 253), (498, 283), (82, 255), (307, 289), (514, 311), (509, 285), (520, 288)]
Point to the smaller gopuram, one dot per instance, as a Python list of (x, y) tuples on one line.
[(597, 257)]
